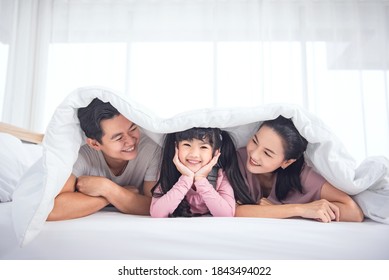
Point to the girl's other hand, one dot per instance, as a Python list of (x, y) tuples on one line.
[(204, 171), (181, 167)]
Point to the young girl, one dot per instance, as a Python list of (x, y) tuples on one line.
[(283, 185), (199, 175)]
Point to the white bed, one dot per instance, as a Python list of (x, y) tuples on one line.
[(115, 236), (41, 170)]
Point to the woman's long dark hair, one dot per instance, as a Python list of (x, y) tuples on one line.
[(294, 146), (228, 161)]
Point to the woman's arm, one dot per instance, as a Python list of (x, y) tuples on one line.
[(321, 210), (333, 205), (162, 206), (349, 209)]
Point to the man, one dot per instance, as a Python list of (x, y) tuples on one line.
[(118, 165)]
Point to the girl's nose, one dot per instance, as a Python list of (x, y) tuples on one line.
[(194, 152)]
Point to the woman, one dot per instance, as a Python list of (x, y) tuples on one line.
[(283, 185)]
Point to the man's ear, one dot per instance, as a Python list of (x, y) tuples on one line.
[(286, 163), (93, 143)]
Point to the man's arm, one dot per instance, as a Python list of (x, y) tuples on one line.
[(130, 202), (69, 204), (123, 199)]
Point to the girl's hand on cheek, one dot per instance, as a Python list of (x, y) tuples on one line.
[(204, 171), (181, 167)]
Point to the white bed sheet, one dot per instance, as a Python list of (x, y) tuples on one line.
[(111, 235)]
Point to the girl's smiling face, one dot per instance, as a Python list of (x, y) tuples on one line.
[(194, 153)]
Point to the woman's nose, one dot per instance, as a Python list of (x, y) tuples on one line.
[(256, 155)]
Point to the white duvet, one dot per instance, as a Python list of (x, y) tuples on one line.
[(34, 196)]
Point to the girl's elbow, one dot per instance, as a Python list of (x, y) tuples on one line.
[(154, 213), (225, 213), (228, 213)]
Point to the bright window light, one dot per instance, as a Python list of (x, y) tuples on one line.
[(172, 77), (78, 65)]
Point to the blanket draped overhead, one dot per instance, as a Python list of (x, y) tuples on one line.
[(33, 199)]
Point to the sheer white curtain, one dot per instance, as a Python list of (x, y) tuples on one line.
[(329, 56), (24, 40)]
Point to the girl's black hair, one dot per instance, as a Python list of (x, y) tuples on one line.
[(228, 161), (294, 146)]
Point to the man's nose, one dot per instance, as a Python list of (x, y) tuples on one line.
[(129, 139)]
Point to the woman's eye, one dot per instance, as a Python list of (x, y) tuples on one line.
[(268, 154), (204, 147)]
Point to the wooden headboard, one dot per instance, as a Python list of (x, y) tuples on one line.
[(21, 133)]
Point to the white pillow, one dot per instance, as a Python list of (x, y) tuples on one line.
[(16, 158), (34, 198)]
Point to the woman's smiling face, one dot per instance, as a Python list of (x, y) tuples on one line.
[(265, 151)]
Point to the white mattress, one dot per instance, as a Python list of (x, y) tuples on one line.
[(115, 236)]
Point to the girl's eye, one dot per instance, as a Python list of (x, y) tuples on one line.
[(119, 138), (204, 147), (254, 140), (268, 154), (186, 144), (133, 128)]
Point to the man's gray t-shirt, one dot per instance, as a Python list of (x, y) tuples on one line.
[(145, 167)]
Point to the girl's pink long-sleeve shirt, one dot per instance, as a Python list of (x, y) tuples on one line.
[(202, 198)]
